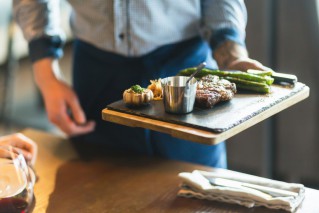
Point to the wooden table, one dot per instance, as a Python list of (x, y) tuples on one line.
[(119, 183)]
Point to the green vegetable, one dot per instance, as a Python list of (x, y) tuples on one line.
[(249, 85), (137, 89), (260, 72), (236, 74), (263, 89), (269, 80), (255, 82)]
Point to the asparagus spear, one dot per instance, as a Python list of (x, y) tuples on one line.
[(260, 72), (237, 74), (243, 80), (250, 85)]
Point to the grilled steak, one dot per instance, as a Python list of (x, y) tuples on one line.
[(212, 90), (206, 98)]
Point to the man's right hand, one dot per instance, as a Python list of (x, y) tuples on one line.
[(59, 99)]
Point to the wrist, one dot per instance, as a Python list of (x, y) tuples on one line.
[(228, 53), (45, 71)]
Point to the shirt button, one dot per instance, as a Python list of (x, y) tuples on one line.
[(121, 36)]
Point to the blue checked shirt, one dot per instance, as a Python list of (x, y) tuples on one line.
[(130, 27)]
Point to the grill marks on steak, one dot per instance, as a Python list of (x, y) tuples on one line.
[(206, 98), (212, 90)]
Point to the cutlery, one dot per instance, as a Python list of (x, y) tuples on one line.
[(198, 68), (278, 77), (284, 77)]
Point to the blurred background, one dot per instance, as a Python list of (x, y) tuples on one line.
[(282, 34)]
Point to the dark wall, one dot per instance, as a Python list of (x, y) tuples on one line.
[(296, 51)]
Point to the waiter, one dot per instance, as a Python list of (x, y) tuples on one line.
[(119, 43)]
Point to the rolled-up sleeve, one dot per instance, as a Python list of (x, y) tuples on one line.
[(225, 20), (40, 23)]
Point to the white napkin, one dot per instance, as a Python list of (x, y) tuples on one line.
[(196, 185)]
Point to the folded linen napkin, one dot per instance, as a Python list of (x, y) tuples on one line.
[(196, 184)]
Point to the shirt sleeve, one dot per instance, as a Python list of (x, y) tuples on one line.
[(224, 20), (40, 23)]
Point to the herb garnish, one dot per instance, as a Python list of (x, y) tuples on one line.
[(137, 89)]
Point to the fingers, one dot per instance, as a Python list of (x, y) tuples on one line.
[(5, 153), (76, 110), (71, 128), (21, 144), (28, 156), (244, 64), (57, 106), (29, 149)]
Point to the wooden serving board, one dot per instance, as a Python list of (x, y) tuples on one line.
[(209, 126)]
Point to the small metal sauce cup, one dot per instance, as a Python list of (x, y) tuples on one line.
[(178, 97)]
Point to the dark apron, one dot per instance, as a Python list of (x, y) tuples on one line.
[(100, 77)]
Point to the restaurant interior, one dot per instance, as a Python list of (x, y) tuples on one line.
[(283, 35)]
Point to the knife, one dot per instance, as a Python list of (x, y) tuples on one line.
[(242, 185), (284, 77), (278, 77)]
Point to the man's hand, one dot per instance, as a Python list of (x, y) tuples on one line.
[(60, 99), (232, 56), (246, 63), (21, 144)]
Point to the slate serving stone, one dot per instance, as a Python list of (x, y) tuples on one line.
[(222, 116)]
